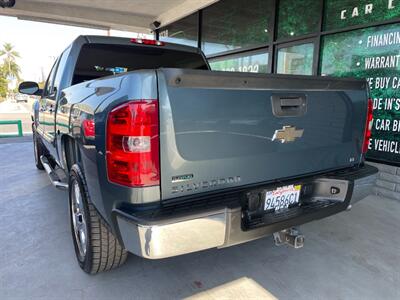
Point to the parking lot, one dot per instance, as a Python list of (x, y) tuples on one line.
[(12, 110), (353, 255)]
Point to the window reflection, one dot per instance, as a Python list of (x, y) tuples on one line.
[(256, 62), (297, 60)]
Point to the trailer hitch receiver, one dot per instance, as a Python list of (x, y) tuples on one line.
[(290, 236)]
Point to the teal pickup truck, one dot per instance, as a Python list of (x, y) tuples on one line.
[(162, 156)]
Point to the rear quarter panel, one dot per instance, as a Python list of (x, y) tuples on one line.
[(95, 99)]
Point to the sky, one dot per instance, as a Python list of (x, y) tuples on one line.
[(39, 44)]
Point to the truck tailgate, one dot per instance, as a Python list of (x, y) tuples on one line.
[(220, 130)]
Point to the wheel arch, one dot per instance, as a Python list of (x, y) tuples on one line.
[(69, 152)]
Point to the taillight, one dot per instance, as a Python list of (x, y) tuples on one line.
[(147, 42), (133, 144), (368, 127)]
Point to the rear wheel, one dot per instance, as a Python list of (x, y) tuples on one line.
[(37, 151), (96, 247)]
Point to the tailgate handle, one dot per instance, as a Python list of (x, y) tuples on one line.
[(291, 102), (289, 105)]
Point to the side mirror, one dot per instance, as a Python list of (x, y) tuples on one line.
[(29, 88)]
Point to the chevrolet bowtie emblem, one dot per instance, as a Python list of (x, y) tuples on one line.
[(287, 134)]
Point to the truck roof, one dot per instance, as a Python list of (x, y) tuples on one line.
[(100, 39)]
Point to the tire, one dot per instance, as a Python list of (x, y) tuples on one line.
[(37, 151), (96, 247)]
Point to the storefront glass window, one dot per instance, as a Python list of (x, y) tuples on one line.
[(255, 62), (297, 18), (373, 54), (344, 13), (296, 60), (234, 24), (184, 31)]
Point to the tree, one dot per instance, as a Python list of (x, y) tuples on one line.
[(3, 84), (11, 68)]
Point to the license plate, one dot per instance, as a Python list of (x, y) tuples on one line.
[(282, 197)]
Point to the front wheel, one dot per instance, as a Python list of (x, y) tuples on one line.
[(96, 247)]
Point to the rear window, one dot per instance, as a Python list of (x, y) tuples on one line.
[(99, 60)]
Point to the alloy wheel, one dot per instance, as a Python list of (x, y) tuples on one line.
[(79, 220)]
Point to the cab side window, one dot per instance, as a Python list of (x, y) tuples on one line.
[(57, 83), (49, 91)]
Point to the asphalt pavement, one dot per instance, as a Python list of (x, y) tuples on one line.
[(352, 255)]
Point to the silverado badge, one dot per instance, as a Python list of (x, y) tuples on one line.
[(287, 134)]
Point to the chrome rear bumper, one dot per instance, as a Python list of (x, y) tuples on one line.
[(174, 237), (216, 228)]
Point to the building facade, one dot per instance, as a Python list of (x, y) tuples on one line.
[(342, 38)]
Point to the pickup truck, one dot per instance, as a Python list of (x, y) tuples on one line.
[(162, 156)]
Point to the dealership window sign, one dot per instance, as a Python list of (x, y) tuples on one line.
[(370, 53), (365, 10), (373, 54), (344, 13)]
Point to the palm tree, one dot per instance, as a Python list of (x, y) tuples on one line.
[(11, 68), (3, 84)]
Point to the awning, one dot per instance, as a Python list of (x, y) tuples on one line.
[(128, 15)]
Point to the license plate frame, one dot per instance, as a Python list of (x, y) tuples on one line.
[(282, 197)]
